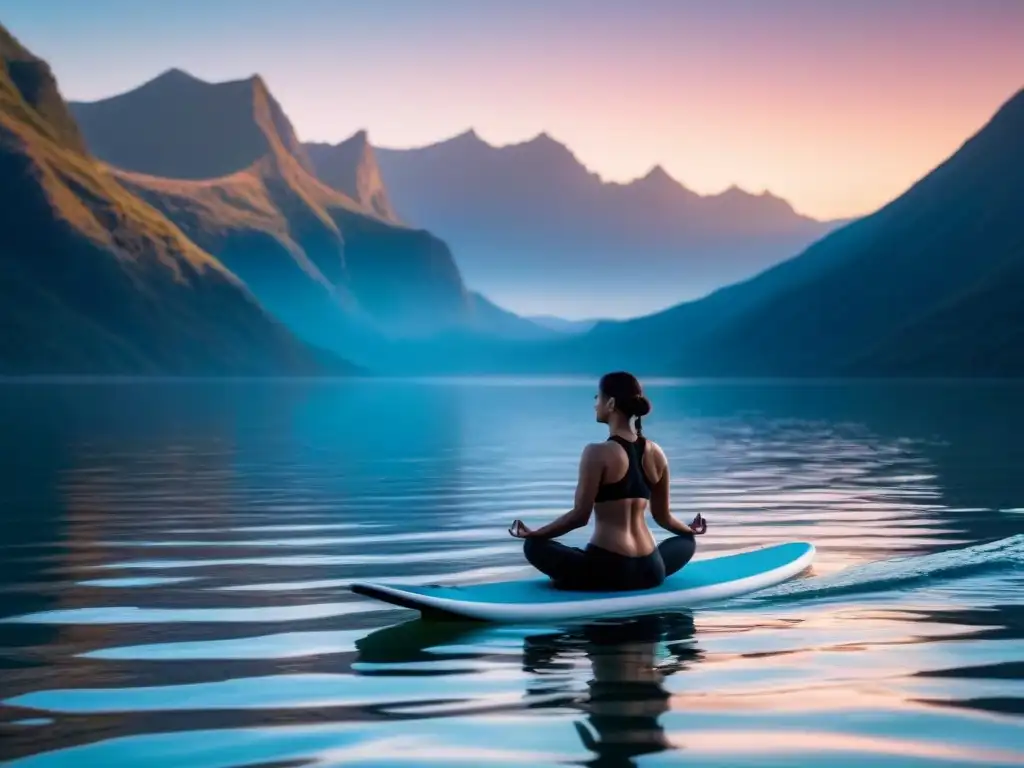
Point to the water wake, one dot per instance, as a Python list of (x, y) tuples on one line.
[(902, 573)]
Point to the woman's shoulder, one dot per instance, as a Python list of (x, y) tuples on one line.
[(652, 449), (602, 451)]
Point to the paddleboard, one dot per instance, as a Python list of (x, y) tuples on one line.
[(701, 581)]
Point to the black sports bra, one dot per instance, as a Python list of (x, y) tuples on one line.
[(634, 484)]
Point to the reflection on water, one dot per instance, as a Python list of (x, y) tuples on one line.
[(628, 660), (625, 695), (176, 556)]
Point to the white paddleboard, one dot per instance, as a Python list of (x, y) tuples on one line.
[(701, 581)]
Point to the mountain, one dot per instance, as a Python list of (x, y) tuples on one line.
[(351, 167), (95, 281), (529, 219), (218, 132), (563, 325), (980, 333), (332, 267), (927, 285)]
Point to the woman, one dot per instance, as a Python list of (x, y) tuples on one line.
[(617, 479)]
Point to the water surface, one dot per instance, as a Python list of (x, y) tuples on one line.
[(176, 555)]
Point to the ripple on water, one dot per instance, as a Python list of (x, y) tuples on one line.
[(312, 560), (285, 645), (277, 692), (139, 581), (458, 534), (136, 615)]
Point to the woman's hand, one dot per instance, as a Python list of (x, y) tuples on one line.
[(699, 524), (519, 529)]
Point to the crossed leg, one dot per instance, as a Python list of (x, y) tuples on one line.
[(564, 565), (676, 551)]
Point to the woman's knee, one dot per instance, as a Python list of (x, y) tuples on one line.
[(681, 540), (688, 543)]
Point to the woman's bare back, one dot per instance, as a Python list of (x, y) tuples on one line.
[(621, 525)]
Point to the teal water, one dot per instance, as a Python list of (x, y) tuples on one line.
[(175, 559)]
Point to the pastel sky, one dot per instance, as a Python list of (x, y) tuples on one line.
[(836, 105)]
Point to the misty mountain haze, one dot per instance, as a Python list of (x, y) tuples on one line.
[(534, 229), (334, 266)]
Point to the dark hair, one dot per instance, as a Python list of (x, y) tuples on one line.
[(628, 394)]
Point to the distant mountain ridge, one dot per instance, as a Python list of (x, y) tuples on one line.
[(529, 219), (95, 281), (927, 285), (563, 325)]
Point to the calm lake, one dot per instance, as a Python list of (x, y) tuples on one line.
[(175, 556)]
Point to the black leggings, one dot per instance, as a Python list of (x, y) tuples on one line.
[(598, 569)]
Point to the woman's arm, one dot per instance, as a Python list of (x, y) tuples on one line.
[(660, 508), (586, 490)]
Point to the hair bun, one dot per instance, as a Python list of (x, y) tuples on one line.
[(639, 406)]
